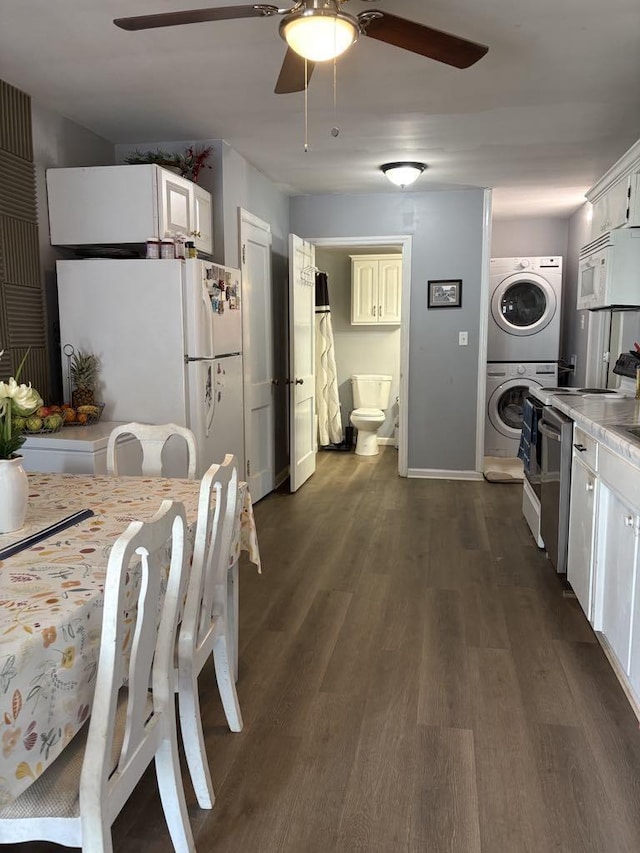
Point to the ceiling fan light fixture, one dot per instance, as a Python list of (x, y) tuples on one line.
[(404, 172), (319, 34)]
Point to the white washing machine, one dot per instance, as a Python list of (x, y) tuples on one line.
[(507, 386), (525, 308)]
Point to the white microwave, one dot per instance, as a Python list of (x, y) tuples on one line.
[(609, 270)]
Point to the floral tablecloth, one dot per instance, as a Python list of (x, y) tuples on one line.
[(51, 608)]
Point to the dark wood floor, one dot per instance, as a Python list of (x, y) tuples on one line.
[(413, 677)]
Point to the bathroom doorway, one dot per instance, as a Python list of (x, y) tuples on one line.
[(378, 348)]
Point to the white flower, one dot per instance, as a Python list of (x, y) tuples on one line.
[(24, 399)]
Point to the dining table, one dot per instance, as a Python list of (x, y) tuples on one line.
[(52, 574)]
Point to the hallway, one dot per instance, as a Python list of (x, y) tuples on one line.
[(413, 677)]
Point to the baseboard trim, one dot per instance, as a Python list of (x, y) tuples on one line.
[(442, 474), (386, 440), (620, 673)]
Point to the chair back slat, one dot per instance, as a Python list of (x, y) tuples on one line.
[(205, 622), (217, 512), (133, 591)]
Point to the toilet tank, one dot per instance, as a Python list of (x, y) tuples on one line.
[(370, 391)]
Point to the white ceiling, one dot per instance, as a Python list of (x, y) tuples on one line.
[(540, 118)]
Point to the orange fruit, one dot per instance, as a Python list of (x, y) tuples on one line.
[(69, 415)]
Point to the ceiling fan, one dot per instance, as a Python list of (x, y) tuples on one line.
[(317, 30)]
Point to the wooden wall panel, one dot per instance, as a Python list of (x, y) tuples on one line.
[(15, 122), (22, 313), (17, 187), (20, 252)]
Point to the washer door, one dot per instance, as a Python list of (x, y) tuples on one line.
[(523, 304), (506, 403)]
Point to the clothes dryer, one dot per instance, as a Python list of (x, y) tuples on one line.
[(525, 308), (507, 386)]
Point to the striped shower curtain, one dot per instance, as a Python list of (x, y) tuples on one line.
[(327, 401)]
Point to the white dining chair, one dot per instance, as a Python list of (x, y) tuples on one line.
[(204, 630), (76, 800), (152, 438)]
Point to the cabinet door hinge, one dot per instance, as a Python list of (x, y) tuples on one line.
[(244, 255), (248, 468)]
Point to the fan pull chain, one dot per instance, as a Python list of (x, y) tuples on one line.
[(306, 107), (335, 130)]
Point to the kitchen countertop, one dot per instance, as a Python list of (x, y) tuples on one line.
[(597, 415), (92, 437)]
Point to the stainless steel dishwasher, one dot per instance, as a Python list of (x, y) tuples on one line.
[(555, 485)]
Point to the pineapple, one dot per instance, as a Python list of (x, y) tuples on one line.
[(84, 370)]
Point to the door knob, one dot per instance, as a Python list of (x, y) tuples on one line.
[(299, 382), (275, 381)]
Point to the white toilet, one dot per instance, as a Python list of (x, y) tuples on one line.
[(370, 399)]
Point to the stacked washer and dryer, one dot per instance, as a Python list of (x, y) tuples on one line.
[(523, 344)]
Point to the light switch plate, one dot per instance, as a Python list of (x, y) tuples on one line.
[(463, 339)]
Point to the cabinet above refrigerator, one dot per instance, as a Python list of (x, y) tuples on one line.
[(123, 206)]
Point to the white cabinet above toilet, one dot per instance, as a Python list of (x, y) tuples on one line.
[(376, 289)]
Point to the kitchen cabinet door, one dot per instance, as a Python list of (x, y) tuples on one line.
[(581, 533), (612, 209), (202, 220), (175, 203), (634, 200), (617, 562)]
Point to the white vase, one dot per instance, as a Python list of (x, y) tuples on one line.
[(14, 492)]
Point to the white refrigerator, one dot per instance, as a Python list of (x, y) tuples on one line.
[(168, 334)]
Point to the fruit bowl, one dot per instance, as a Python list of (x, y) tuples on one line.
[(83, 415), (50, 424)]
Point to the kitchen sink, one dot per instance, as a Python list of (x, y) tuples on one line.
[(630, 430)]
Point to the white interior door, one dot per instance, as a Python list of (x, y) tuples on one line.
[(257, 336), (302, 384)]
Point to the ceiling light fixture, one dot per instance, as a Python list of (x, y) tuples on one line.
[(320, 31), (404, 172)]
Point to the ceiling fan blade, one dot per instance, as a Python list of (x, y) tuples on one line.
[(434, 44), (292, 76), (194, 16)]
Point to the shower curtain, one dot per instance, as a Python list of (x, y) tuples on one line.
[(327, 401)]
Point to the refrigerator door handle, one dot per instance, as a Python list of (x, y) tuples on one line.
[(189, 358)]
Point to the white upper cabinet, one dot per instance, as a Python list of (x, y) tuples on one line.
[(616, 196), (120, 205), (376, 289), (203, 224), (612, 209)]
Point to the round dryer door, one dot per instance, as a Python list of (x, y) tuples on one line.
[(506, 403), (523, 304)]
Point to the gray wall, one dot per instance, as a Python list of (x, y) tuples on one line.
[(58, 142), (447, 231), (529, 237), (358, 349)]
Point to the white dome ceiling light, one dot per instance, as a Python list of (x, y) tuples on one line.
[(404, 172)]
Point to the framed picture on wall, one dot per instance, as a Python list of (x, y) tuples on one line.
[(444, 293)]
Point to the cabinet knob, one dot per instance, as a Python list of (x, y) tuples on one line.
[(628, 521), (589, 487)]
